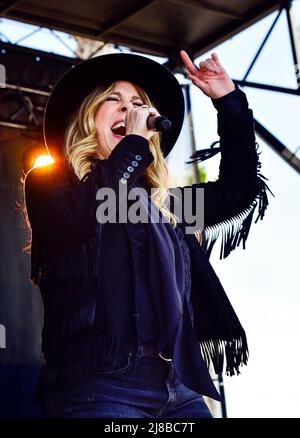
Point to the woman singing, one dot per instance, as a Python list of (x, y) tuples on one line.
[(134, 314)]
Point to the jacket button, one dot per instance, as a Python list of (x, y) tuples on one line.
[(130, 169), (138, 157), (123, 180), (134, 163), (126, 175)]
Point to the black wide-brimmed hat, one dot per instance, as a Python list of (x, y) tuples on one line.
[(159, 83)]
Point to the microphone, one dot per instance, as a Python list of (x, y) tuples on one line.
[(160, 123)]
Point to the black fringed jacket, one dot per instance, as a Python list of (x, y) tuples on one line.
[(69, 246)]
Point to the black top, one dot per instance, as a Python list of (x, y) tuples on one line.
[(147, 322)]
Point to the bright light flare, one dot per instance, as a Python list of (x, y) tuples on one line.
[(43, 160)]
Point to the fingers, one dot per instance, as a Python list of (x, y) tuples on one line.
[(199, 83), (139, 113), (151, 110), (136, 119), (192, 69), (210, 64), (216, 59)]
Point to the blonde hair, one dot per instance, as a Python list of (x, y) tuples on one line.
[(81, 148)]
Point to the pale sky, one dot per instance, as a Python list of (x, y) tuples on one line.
[(262, 281)]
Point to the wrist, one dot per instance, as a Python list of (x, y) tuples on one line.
[(235, 101), (229, 89)]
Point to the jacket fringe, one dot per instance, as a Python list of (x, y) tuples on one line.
[(94, 352), (234, 352), (235, 229), (205, 154)]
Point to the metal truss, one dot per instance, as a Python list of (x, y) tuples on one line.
[(30, 76), (25, 113), (284, 152), (35, 31), (33, 111), (22, 109)]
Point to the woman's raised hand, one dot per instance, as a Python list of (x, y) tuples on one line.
[(210, 77)]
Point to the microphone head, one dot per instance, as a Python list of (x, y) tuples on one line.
[(165, 124), (160, 123)]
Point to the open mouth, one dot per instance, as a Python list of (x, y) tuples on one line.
[(118, 128)]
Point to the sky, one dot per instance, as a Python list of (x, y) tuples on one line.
[(262, 281)]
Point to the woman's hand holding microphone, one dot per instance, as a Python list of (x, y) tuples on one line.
[(136, 121)]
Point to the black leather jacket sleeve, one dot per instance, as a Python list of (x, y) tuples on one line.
[(237, 184)]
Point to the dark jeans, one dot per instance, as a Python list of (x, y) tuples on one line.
[(154, 391)]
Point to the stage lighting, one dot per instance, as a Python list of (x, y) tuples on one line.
[(43, 160)]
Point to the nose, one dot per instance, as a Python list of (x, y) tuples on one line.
[(126, 105)]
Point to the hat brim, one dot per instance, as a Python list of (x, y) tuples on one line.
[(159, 83)]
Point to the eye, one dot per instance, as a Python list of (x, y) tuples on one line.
[(112, 98), (138, 103)]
